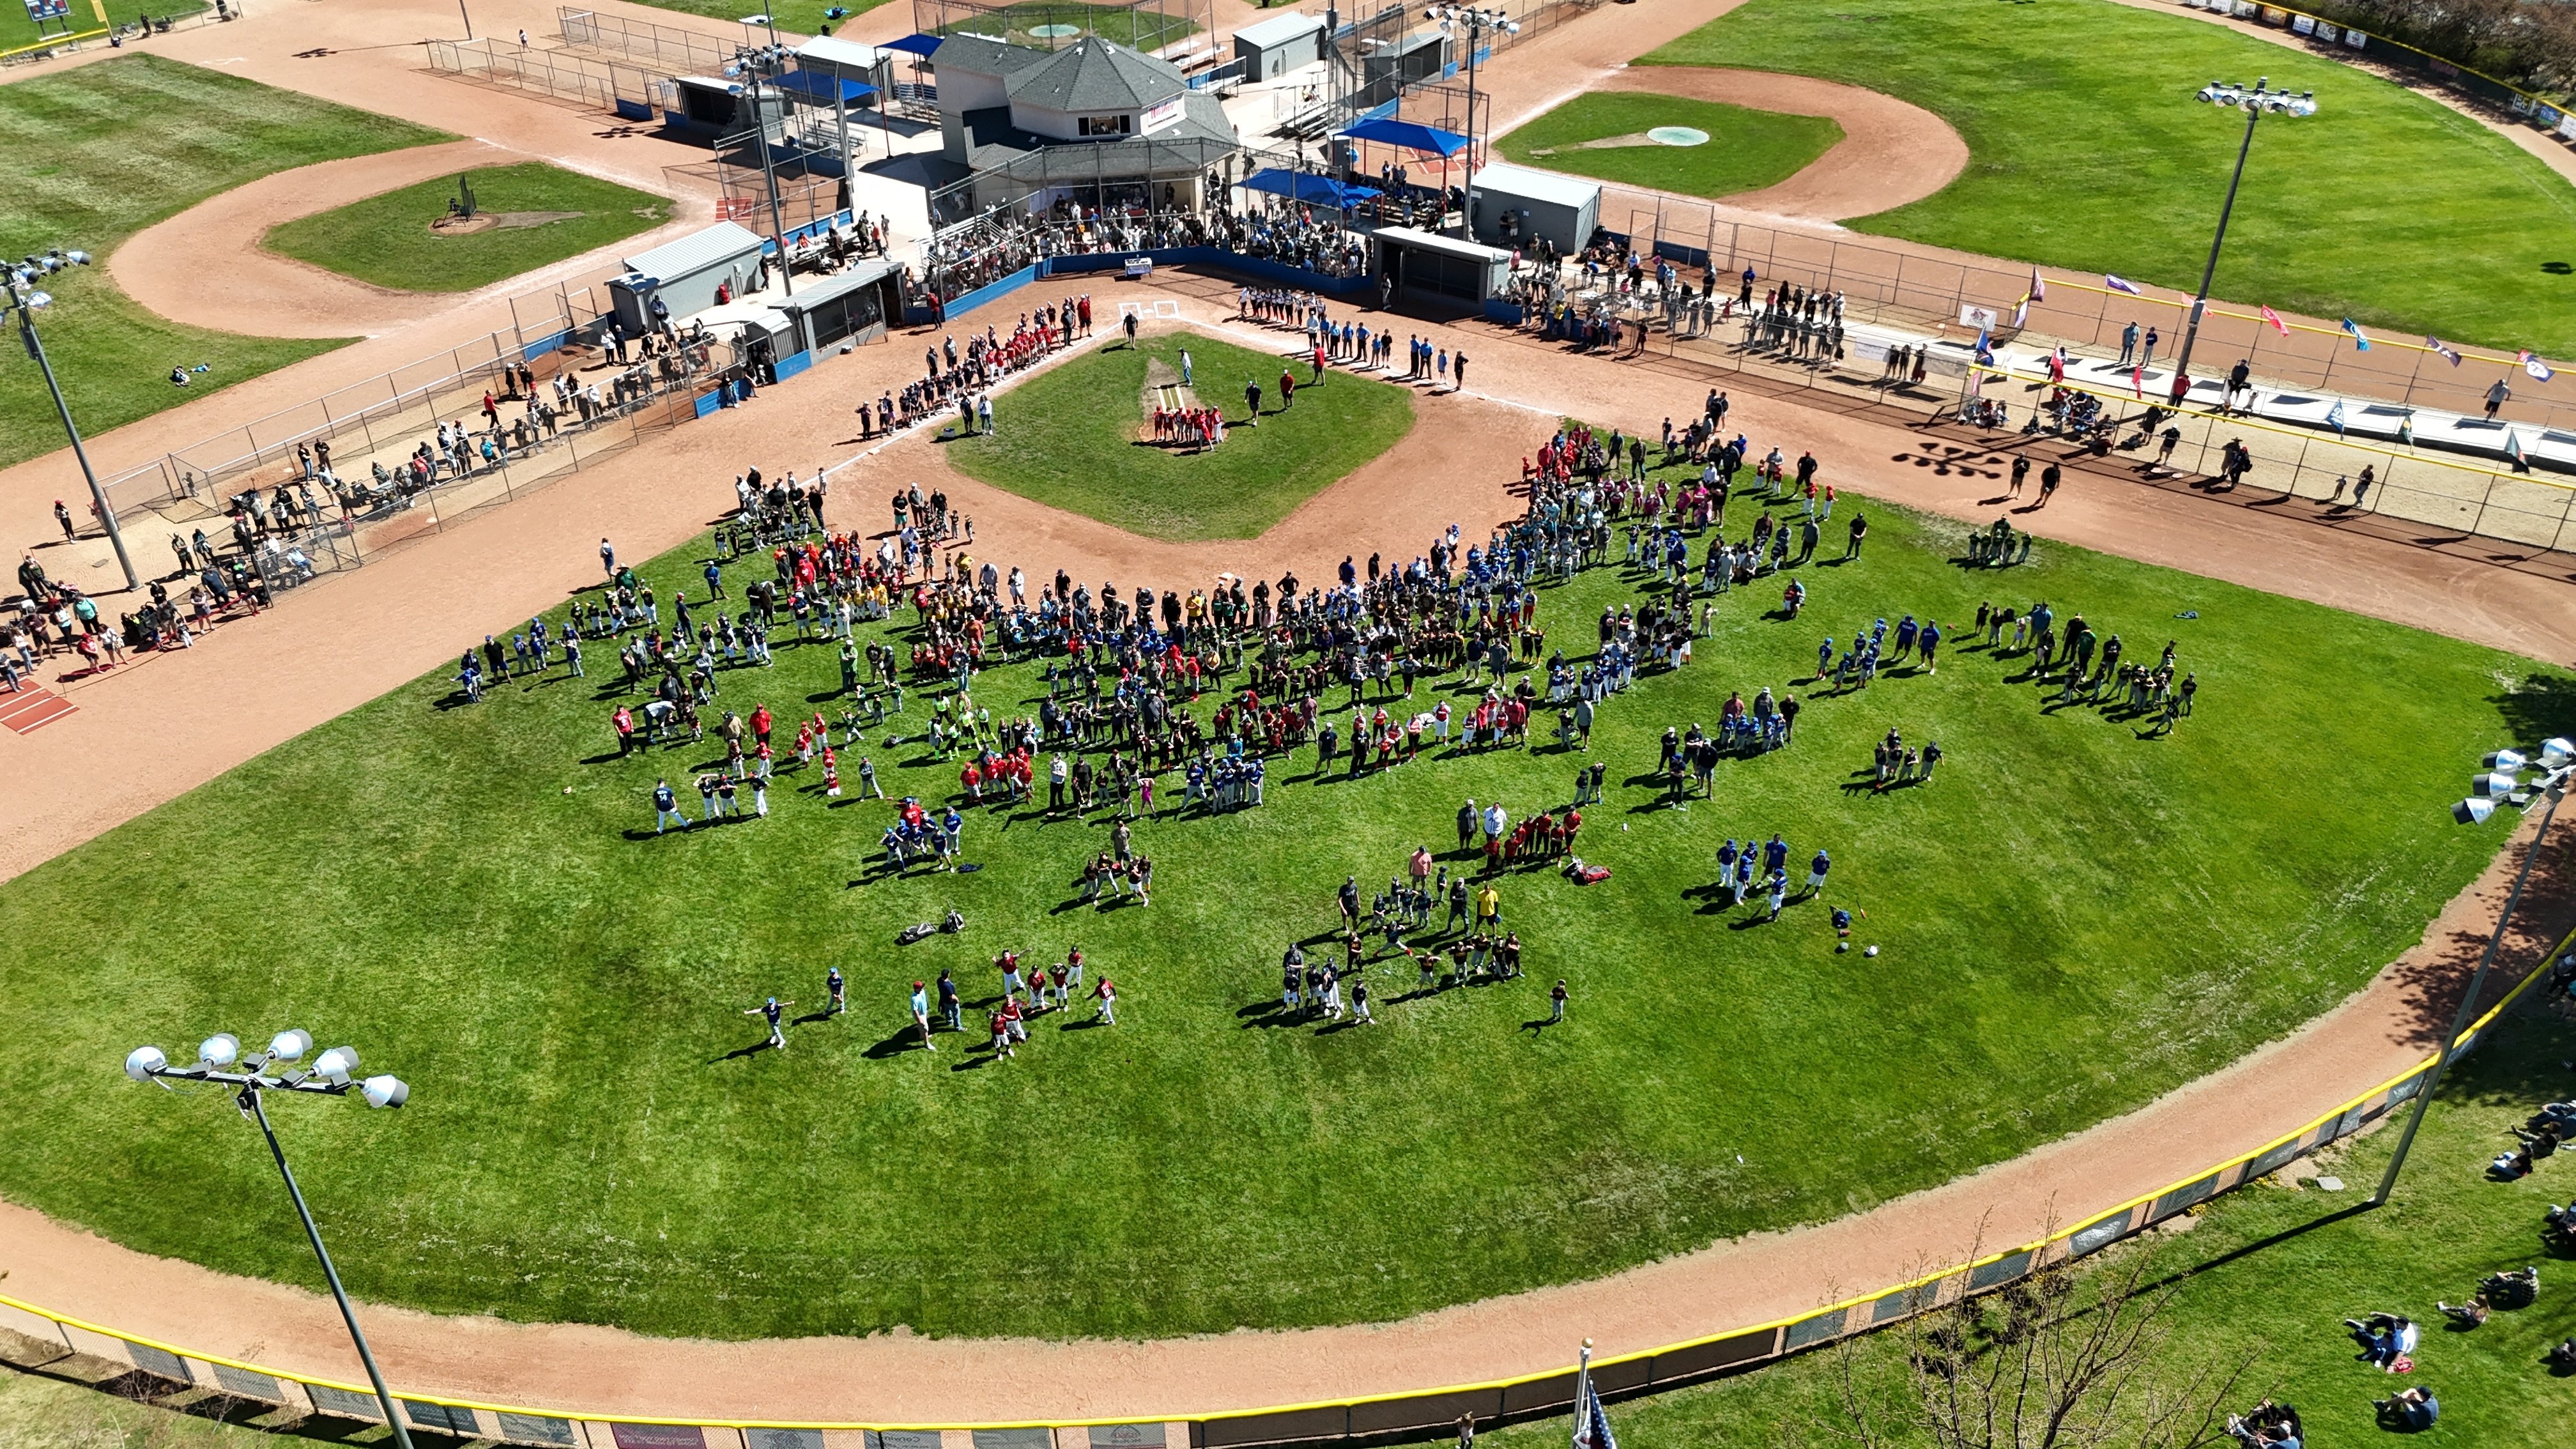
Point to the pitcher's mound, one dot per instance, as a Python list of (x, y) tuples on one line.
[(497, 221)]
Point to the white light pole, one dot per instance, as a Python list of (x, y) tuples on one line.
[(219, 1060), (2500, 780), (26, 299), (2257, 102), (1475, 21), (754, 63)]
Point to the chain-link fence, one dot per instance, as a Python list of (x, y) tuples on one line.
[(1173, 28), (638, 92), (664, 48)]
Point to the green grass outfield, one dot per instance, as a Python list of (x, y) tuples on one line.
[(95, 154), (1746, 150), (386, 239), (2075, 920), (2270, 1272), (801, 17), (1068, 438), (2087, 152)]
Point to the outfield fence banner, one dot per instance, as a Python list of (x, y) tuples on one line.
[(1418, 1413)]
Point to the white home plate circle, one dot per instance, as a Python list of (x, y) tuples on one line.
[(1677, 136)]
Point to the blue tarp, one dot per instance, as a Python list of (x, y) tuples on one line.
[(1410, 135), (914, 44), (1315, 190), (816, 85)]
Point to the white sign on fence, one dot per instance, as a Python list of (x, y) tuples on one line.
[(1981, 318)]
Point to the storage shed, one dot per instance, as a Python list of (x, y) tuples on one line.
[(1444, 266), (1279, 45), (1515, 205), (683, 275)]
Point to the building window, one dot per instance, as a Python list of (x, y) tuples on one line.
[(1118, 125)]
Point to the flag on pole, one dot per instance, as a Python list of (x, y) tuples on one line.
[(2021, 310), (1985, 347), (2038, 287), (2334, 417), (2513, 450), (2275, 319), (1591, 1422), (2121, 284), (2138, 382), (2359, 342), (2532, 364), (2447, 354), (2406, 430)]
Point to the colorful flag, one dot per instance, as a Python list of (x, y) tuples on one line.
[(2275, 319), (2532, 364), (2446, 354), (2121, 284), (1591, 1421), (2513, 450), (2038, 288), (2021, 311), (1985, 347), (2406, 430), (2138, 381), (2359, 342), (2334, 417)]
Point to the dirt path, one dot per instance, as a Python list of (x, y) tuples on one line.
[(1892, 152), (255, 684), (264, 294), (259, 682)]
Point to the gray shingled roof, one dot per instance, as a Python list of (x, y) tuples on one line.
[(1096, 75), (984, 55)]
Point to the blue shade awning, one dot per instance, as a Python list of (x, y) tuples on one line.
[(1316, 190), (1410, 135), (914, 44), (818, 85)]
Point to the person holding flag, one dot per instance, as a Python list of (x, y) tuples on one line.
[(2497, 396)]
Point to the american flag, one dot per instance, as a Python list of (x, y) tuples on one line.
[(1591, 1422)]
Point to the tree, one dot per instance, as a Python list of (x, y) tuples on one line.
[(2059, 1360)]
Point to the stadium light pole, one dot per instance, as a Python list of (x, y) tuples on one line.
[(27, 299), (2501, 780), (219, 1061), (2257, 102), (1475, 22), (754, 63)]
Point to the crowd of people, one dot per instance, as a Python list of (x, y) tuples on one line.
[(984, 249)]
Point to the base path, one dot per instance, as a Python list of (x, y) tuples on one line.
[(1892, 152), (264, 294)]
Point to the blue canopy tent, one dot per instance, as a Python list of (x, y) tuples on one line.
[(822, 87), (1407, 135), (1313, 190), (914, 44), (1410, 136)]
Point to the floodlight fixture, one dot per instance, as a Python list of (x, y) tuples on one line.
[(220, 1063), (2507, 760), (2473, 811), (2495, 786), (2557, 754)]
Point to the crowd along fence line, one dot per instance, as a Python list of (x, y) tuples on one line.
[(1411, 1413)]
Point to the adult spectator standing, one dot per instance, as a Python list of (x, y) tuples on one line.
[(1860, 532), (607, 558)]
